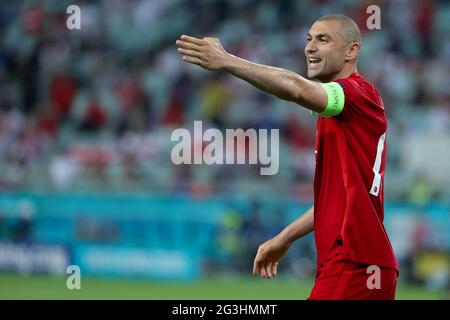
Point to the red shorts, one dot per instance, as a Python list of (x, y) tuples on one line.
[(342, 279)]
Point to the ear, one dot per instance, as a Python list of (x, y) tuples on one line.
[(352, 51)]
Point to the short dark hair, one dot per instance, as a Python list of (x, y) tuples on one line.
[(349, 31)]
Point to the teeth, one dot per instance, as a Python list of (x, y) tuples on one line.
[(314, 60)]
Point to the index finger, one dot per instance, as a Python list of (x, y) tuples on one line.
[(197, 41), (256, 266)]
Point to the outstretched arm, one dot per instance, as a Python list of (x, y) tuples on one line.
[(287, 85)]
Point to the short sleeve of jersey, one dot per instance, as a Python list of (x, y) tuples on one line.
[(361, 98)]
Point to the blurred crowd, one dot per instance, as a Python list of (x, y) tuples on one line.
[(93, 109)]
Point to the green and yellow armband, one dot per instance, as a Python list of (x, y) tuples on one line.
[(336, 99)]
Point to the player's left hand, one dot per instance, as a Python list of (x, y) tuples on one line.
[(207, 53), (268, 256)]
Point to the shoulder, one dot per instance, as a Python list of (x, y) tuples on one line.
[(356, 87), (361, 98)]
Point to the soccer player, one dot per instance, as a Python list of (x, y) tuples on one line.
[(355, 259)]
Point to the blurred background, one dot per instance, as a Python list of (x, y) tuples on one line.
[(86, 118)]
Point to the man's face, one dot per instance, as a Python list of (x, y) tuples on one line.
[(325, 50)]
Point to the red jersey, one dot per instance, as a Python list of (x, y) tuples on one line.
[(348, 183)]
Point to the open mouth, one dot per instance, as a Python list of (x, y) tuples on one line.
[(312, 61)]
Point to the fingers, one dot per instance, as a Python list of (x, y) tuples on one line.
[(187, 45), (194, 40), (268, 269), (257, 263), (263, 272), (274, 268), (189, 49), (193, 60), (255, 268), (190, 53)]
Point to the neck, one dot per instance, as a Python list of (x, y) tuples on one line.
[(344, 73)]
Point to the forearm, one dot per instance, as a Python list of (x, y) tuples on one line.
[(284, 84), (276, 81), (299, 228), (287, 85)]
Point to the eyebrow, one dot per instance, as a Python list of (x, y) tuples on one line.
[(327, 35)]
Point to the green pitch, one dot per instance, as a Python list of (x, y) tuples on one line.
[(46, 287)]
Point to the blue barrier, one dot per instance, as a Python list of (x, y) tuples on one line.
[(179, 227), (119, 261)]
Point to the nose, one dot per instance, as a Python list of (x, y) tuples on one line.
[(310, 47)]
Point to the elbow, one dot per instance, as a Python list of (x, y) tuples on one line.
[(307, 93), (296, 89)]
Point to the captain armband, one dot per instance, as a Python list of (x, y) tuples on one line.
[(336, 99)]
